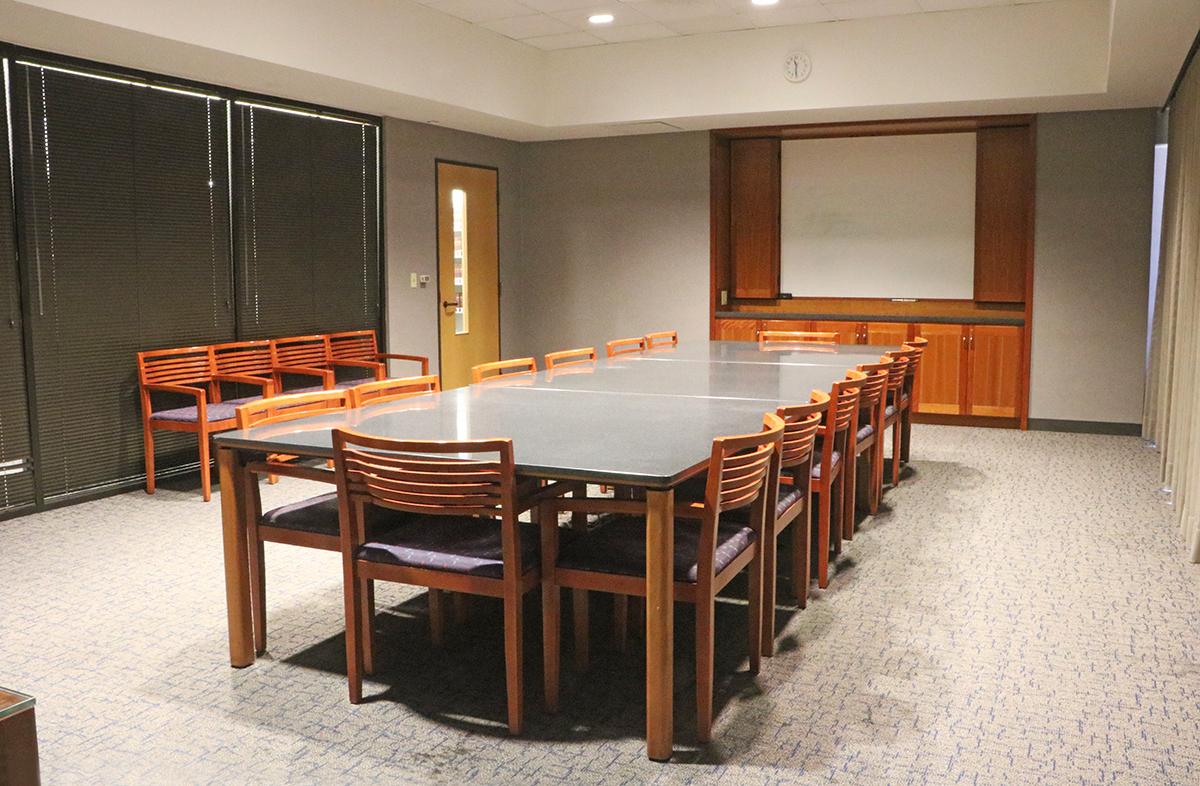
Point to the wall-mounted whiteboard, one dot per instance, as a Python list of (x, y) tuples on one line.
[(885, 217)]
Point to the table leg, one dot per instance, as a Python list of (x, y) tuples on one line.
[(660, 623), (237, 559)]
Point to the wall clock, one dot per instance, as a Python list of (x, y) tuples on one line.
[(797, 67)]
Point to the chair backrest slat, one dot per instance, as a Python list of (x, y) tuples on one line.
[(801, 425), (795, 337), (663, 338), (175, 366), (353, 345), (571, 357), (302, 351), (380, 391), (293, 406), (873, 386), (625, 346), (243, 358), (488, 372), (844, 405)]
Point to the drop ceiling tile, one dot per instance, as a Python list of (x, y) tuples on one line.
[(623, 14), (639, 32), (677, 10), (564, 41), (954, 5), (481, 10), (790, 15), (711, 24), (551, 6), (857, 9), (520, 27)]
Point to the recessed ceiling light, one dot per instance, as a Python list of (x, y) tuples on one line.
[(765, 2), (600, 19)]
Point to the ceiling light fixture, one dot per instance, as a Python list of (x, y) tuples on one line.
[(600, 19)]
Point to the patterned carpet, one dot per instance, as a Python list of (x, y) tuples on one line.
[(1020, 612)]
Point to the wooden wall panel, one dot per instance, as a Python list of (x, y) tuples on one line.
[(1004, 194), (718, 229), (754, 203)]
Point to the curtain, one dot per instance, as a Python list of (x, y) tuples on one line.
[(1172, 417)]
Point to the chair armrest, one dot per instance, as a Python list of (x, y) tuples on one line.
[(380, 369), (186, 390), (424, 361), (268, 387), (325, 374)]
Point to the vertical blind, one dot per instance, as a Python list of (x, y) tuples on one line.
[(125, 242), (16, 476), (307, 228)]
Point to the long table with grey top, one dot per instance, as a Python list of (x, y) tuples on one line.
[(631, 420)]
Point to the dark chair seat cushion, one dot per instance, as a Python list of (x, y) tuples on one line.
[(816, 470), (617, 545), (316, 514), (455, 544), (213, 412)]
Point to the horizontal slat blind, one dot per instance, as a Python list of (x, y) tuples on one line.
[(16, 470), (307, 235), (125, 209)]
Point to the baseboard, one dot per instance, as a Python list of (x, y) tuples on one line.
[(1086, 427), (977, 421)]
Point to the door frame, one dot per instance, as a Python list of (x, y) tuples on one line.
[(437, 252)]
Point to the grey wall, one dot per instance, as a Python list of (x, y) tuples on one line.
[(410, 153), (1095, 176), (614, 242)]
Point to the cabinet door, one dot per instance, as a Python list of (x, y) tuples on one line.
[(887, 333), (737, 330), (995, 370), (941, 387), (754, 217), (787, 324), (847, 331)]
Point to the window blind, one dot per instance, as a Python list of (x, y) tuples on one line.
[(125, 215), (16, 469), (307, 223)]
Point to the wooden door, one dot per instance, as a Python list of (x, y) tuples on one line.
[(887, 333), (847, 331), (737, 330), (941, 383), (754, 217), (468, 270), (995, 370)]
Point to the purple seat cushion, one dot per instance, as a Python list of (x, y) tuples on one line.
[(213, 412), (864, 432), (315, 514), (455, 544), (618, 545), (890, 410), (816, 470)]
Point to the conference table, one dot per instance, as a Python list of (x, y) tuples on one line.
[(645, 420)]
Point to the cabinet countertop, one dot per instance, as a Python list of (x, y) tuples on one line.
[(938, 320)]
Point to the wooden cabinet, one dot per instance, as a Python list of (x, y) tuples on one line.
[(754, 217), (994, 370), (848, 332), (736, 330), (941, 385), (787, 324), (886, 333)]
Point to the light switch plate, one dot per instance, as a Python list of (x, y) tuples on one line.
[(412, 281)]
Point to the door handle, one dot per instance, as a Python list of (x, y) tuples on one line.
[(455, 304)]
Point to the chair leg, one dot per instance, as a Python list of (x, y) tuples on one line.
[(148, 444), (837, 511), (514, 658), (579, 606), (877, 473), (897, 435), (770, 555), (824, 515), (551, 642), (258, 593), (756, 607), (801, 558), (578, 518), (354, 626), (621, 621), (849, 499), (205, 467), (704, 668), (368, 617), (906, 439), (437, 618), (462, 608)]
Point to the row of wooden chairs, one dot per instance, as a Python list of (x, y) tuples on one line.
[(489, 372), (199, 372)]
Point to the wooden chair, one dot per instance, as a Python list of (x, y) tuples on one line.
[(354, 347), (625, 346), (492, 372), (187, 371), (311, 523), (584, 356), (461, 535), (868, 439), (663, 338), (901, 404), (827, 474), (897, 376), (909, 397), (243, 363), (766, 337), (384, 390), (304, 356), (710, 547)]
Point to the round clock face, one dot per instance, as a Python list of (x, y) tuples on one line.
[(797, 67)]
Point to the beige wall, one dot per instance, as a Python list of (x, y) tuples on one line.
[(410, 155), (614, 242), (1095, 175)]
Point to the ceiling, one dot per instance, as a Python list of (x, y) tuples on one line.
[(415, 60), (563, 24)]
